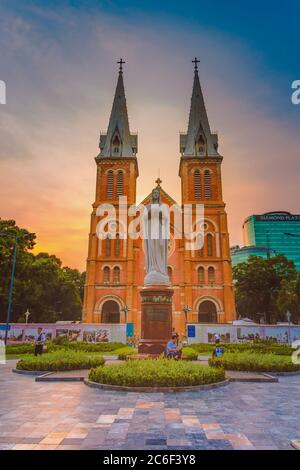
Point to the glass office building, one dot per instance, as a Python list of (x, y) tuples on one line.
[(241, 254), (278, 231)]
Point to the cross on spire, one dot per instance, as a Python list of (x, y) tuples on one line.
[(121, 62), (158, 182), (196, 62)]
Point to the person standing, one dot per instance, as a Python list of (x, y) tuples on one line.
[(39, 341), (217, 338)]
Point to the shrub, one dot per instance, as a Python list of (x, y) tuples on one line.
[(253, 347), (202, 347), (60, 340), (189, 354), (156, 373), (246, 361), (17, 349), (60, 360), (124, 352), (91, 347)]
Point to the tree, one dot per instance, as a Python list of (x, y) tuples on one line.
[(258, 283), (289, 299), (51, 292), (25, 241)]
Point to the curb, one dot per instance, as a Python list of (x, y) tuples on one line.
[(47, 378), (29, 372), (293, 372), (265, 379), (123, 388)]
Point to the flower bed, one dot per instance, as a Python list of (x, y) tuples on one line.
[(253, 362), (157, 373), (60, 360)]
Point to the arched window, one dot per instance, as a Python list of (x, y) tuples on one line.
[(116, 144), (197, 184), (110, 185), (107, 246), (200, 243), (200, 146), (211, 275), (201, 275), (120, 183), (170, 273), (117, 245), (207, 184), (116, 276), (106, 275), (209, 244)]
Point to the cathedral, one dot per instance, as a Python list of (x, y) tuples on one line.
[(201, 278)]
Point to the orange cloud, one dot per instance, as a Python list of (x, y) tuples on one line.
[(60, 95)]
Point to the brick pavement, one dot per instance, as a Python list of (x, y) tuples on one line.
[(36, 415)]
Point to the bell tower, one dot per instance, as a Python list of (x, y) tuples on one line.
[(110, 263), (207, 283)]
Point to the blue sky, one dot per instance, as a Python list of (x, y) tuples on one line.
[(58, 59)]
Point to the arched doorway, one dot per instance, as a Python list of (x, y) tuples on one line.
[(110, 312), (207, 312)]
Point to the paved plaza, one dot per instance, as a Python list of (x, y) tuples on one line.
[(35, 415)]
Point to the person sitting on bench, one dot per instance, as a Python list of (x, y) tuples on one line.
[(171, 348)]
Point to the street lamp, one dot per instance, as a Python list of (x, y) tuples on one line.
[(186, 309), (289, 316), (125, 309), (11, 284), (27, 313)]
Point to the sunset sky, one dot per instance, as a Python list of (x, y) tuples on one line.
[(58, 59)]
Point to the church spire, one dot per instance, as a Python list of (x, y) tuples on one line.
[(199, 141), (118, 142)]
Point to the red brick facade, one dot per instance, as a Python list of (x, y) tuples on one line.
[(201, 279)]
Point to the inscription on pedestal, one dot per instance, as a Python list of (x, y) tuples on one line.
[(156, 319)]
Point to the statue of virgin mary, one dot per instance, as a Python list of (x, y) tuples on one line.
[(156, 232)]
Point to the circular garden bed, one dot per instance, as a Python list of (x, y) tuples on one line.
[(155, 375), (59, 361), (253, 362)]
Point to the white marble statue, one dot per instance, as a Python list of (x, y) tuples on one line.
[(156, 230)]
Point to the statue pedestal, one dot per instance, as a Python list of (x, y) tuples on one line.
[(156, 325)]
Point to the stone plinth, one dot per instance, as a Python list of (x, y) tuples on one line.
[(156, 324)]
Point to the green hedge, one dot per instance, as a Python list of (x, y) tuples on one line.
[(60, 360), (246, 361), (80, 346), (189, 354), (92, 347), (255, 347), (125, 351), (156, 373), (17, 349), (202, 347)]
